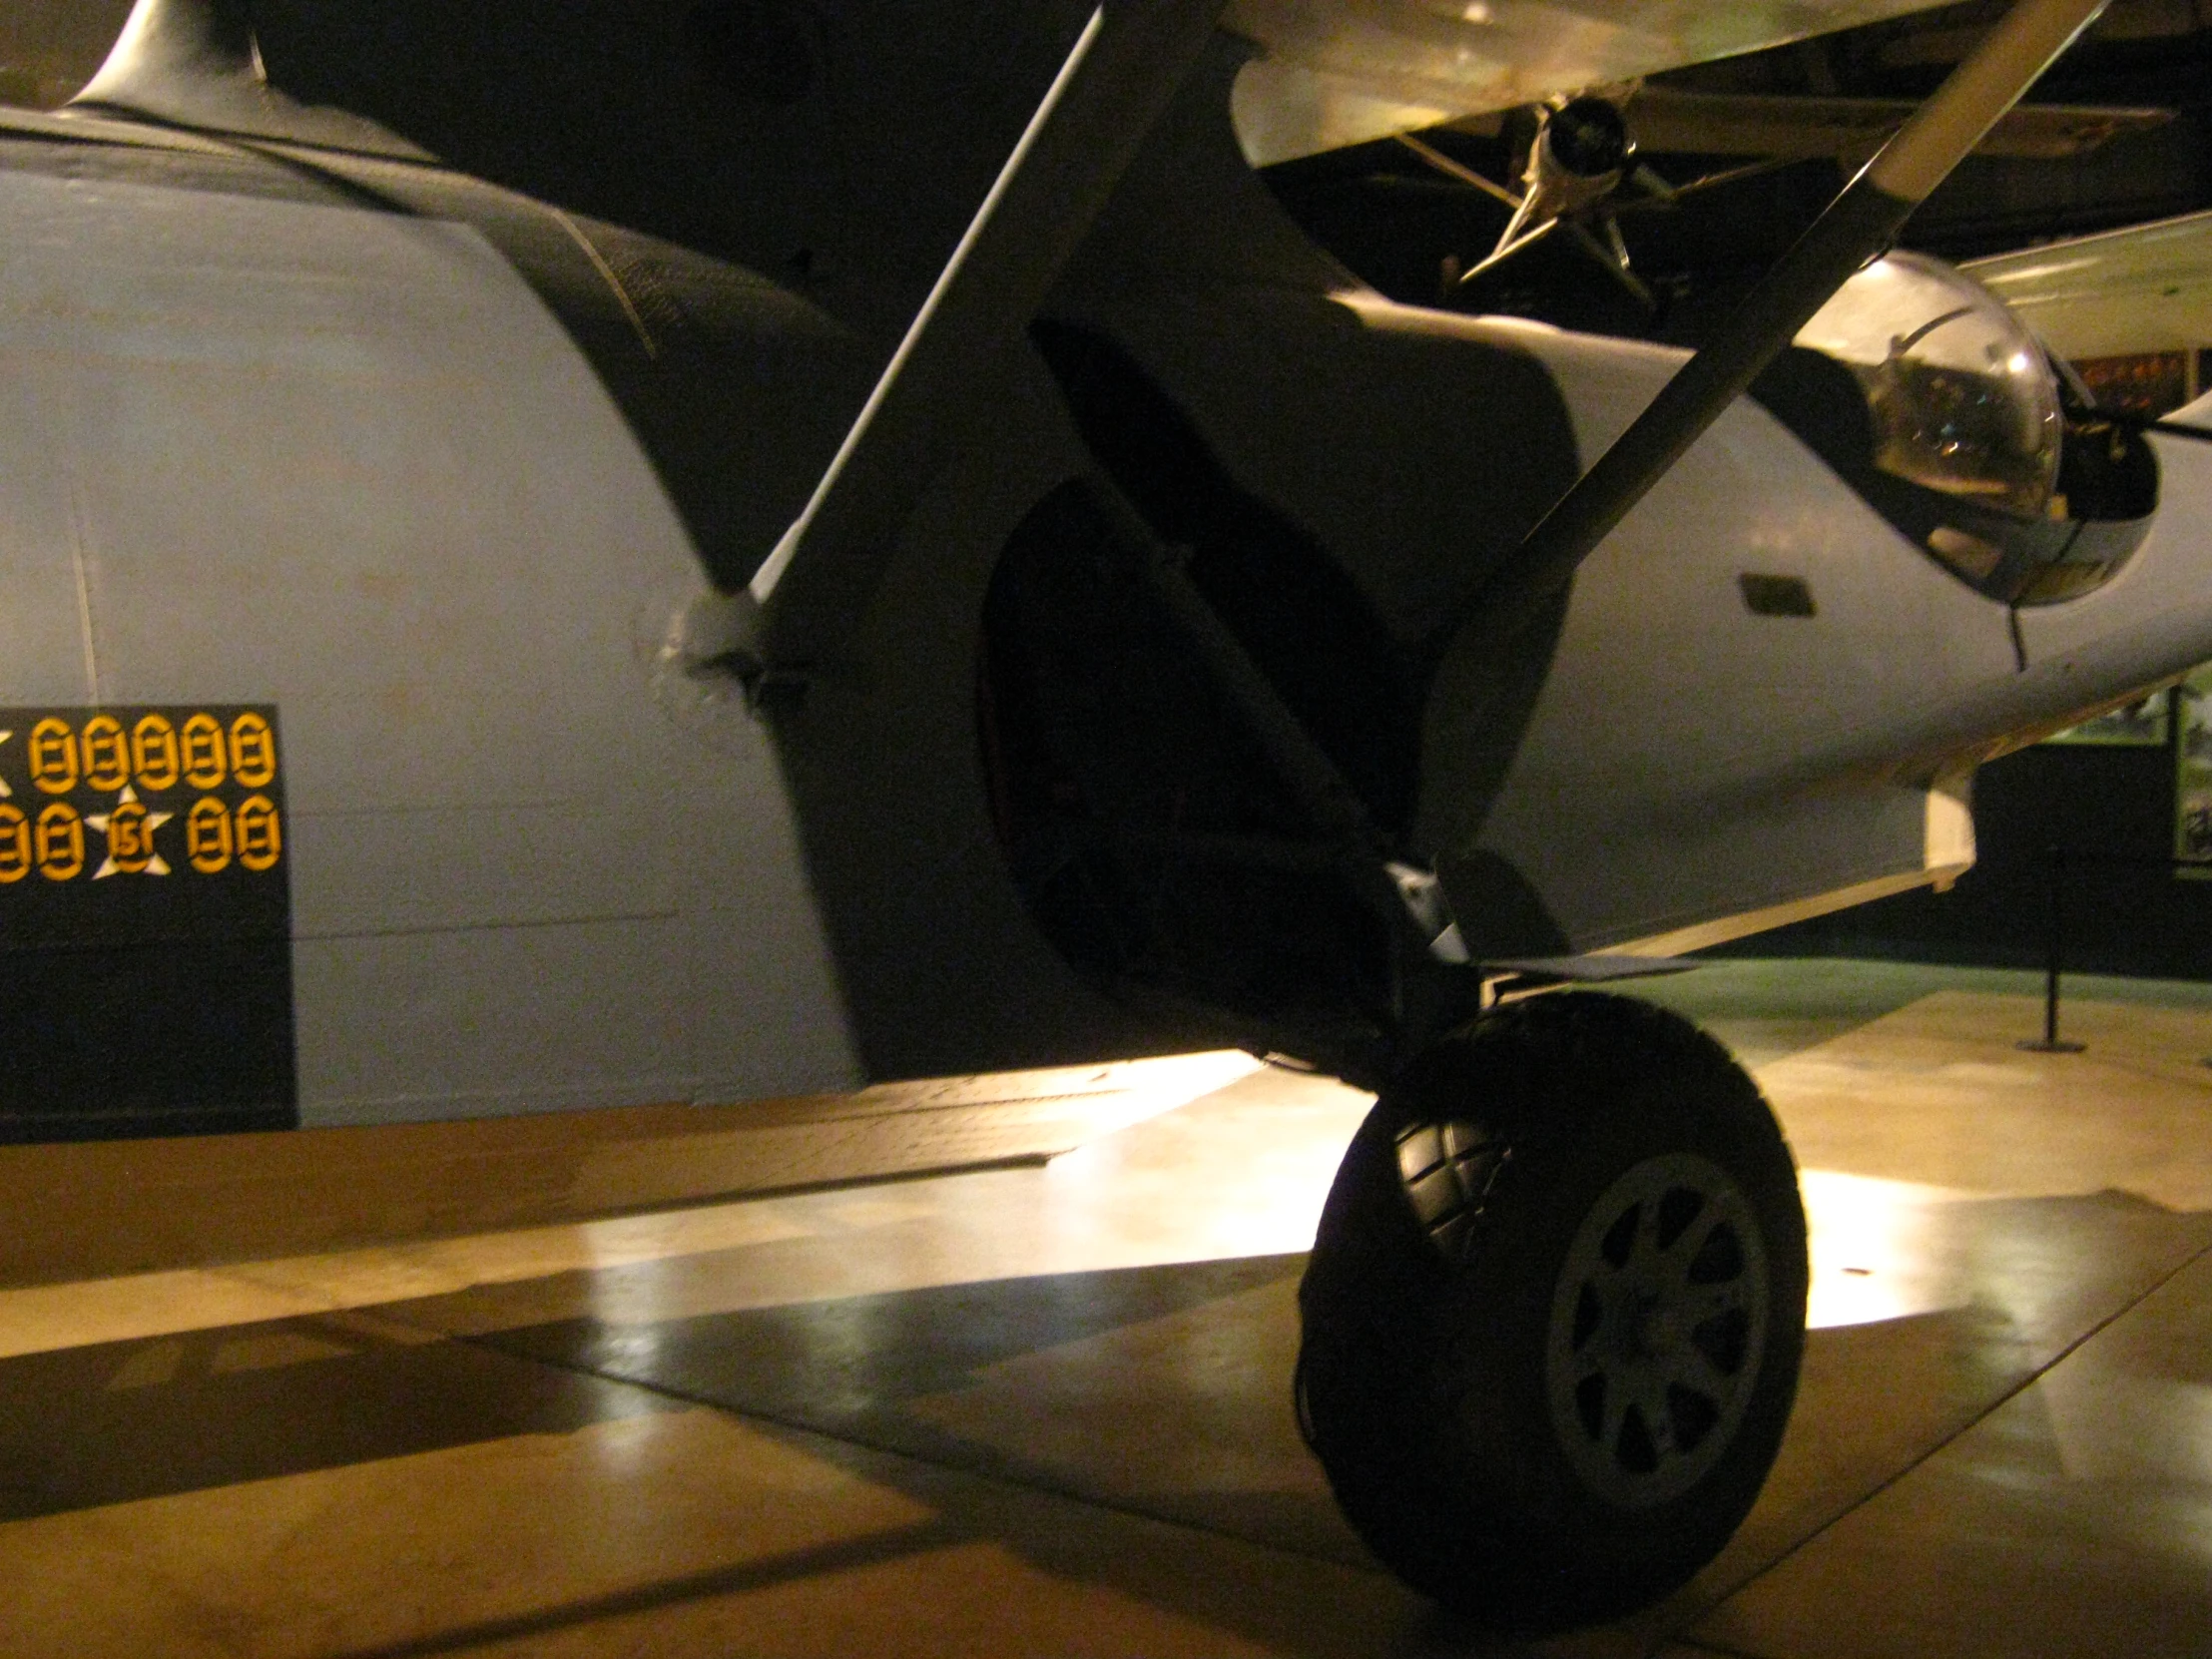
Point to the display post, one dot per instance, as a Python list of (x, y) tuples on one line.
[(2054, 936)]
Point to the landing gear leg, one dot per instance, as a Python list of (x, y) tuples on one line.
[(1555, 1311)]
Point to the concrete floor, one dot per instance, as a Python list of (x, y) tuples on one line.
[(1044, 1411)]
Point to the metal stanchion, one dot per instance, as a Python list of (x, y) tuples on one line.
[(2053, 922)]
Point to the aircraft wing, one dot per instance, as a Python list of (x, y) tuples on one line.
[(1851, 129), (1339, 72), (2145, 289), (1846, 130), (1335, 72)]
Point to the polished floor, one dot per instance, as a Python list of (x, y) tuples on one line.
[(1042, 1411)]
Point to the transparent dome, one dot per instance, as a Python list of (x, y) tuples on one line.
[(1962, 398)]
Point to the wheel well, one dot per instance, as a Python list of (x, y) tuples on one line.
[(1143, 827)]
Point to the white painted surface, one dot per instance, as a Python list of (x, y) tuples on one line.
[(1689, 760)]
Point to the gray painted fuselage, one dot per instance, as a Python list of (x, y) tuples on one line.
[(433, 467)]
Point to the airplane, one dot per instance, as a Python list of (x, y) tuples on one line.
[(784, 545), (1579, 169)]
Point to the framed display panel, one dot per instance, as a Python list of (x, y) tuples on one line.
[(2146, 383), (2142, 724), (2193, 774)]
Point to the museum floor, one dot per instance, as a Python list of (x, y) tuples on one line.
[(1043, 1411)]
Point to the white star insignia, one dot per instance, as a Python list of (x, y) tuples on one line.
[(130, 831)]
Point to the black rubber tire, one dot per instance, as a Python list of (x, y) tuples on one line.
[(1422, 1372)]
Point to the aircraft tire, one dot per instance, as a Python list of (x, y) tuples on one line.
[(1535, 1409)]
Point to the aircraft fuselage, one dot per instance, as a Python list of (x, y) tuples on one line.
[(424, 472)]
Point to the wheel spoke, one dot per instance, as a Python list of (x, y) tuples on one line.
[(1693, 1236), (1651, 1402), (1700, 1303), (1618, 1397), (1647, 1249), (1695, 1371), (1623, 1240)]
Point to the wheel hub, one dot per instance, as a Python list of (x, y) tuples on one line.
[(1657, 1324)]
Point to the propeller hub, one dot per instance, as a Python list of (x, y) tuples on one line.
[(1588, 137)]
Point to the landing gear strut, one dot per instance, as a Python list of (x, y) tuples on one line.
[(1555, 1311)]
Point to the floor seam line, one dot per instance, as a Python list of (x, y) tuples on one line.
[(1683, 1632), (1082, 1499)]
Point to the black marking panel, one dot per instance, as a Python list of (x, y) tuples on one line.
[(145, 923)]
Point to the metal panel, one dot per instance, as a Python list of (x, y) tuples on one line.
[(1690, 760), (345, 463)]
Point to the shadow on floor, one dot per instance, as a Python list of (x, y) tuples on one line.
[(119, 1421), (1157, 1395), (1163, 1390)]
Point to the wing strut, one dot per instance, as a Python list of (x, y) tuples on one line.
[(1858, 226), (1123, 68)]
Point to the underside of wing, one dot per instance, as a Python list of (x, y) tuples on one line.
[(1339, 72)]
